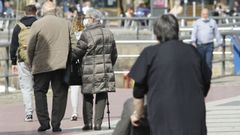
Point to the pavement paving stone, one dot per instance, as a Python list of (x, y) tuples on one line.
[(223, 112), (223, 116)]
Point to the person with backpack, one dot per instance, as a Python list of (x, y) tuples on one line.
[(18, 52)]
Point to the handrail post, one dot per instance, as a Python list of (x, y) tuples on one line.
[(223, 55), (138, 29), (9, 29), (7, 71)]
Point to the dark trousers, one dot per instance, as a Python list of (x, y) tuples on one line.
[(100, 104), (206, 51), (59, 101)]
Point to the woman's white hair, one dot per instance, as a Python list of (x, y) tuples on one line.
[(94, 13)]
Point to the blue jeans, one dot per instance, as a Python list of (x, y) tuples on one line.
[(206, 51), (26, 86)]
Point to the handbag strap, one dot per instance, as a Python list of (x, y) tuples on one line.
[(93, 48), (104, 61), (105, 77), (95, 45)]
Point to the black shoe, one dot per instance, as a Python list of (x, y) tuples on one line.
[(43, 128), (87, 127), (57, 129), (97, 127)]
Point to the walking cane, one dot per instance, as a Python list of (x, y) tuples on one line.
[(108, 112)]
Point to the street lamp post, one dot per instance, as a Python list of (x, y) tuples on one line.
[(203, 4), (185, 7), (17, 10), (194, 8)]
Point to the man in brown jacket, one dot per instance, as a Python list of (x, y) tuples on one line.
[(48, 52)]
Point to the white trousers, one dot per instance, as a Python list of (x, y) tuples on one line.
[(26, 86), (75, 89)]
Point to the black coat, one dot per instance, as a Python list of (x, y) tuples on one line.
[(176, 81)]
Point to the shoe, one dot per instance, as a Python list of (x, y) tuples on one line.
[(28, 118), (57, 129), (97, 127), (87, 127), (74, 117), (43, 128)]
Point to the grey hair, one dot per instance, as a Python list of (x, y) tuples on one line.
[(95, 14), (166, 28), (48, 6)]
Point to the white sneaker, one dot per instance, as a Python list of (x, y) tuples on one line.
[(74, 117), (28, 118)]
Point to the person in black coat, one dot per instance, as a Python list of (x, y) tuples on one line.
[(176, 80)]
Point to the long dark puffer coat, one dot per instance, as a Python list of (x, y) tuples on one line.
[(98, 50)]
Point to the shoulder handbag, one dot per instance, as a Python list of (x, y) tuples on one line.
[(73, 73)]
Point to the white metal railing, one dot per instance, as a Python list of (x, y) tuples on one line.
[(222, 60)]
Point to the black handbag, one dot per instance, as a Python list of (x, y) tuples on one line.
[(73, 75), (73, 71)]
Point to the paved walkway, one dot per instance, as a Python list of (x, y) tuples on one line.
[(223, 112), (223, 117)]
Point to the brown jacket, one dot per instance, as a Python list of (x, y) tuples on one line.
[(49, 44)]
